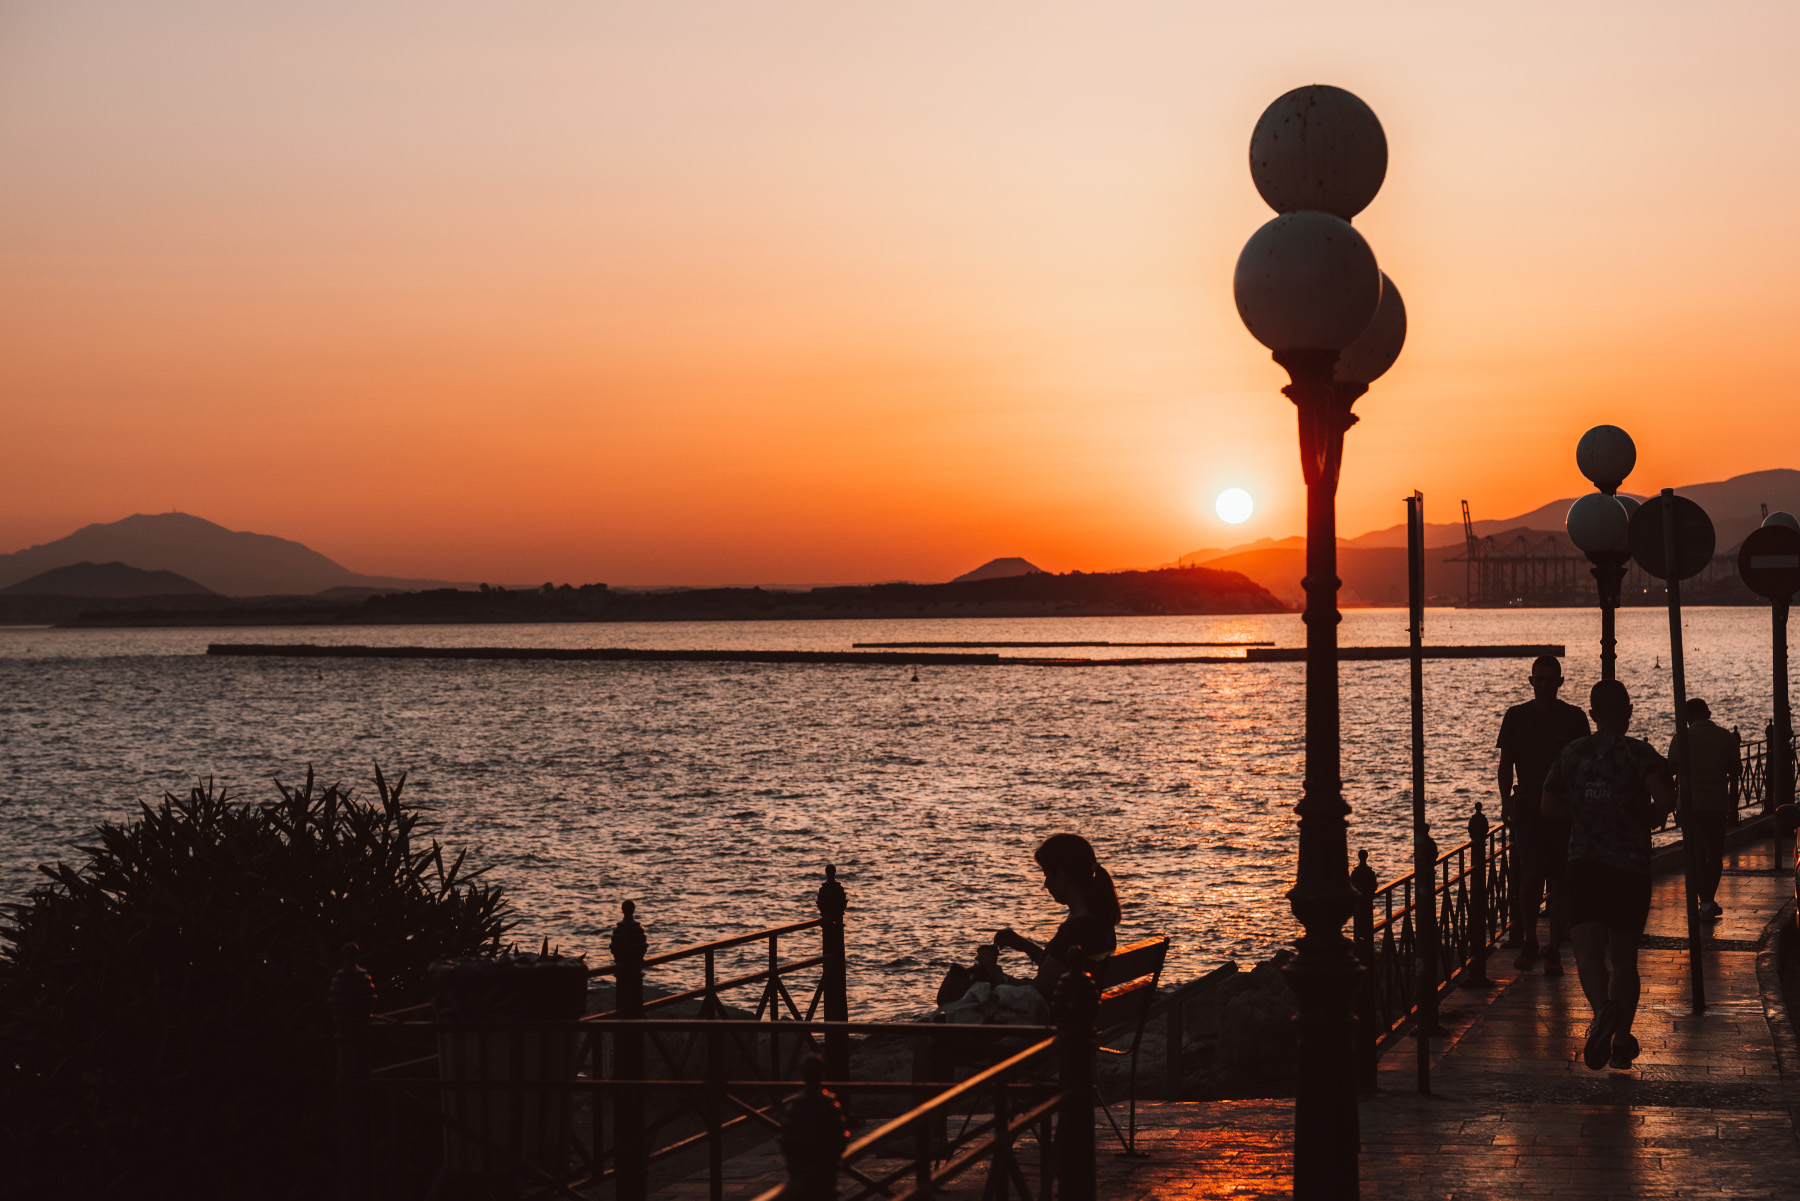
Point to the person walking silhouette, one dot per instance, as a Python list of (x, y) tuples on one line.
[(1613, 790), (1715, 766)]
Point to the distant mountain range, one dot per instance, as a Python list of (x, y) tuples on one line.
[(206, 555), (1175, 590), (112, 581), (170, 555), (1373, 565)]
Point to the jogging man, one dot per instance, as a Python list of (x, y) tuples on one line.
[(1613, 790)]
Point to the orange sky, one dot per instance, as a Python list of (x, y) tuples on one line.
[(674, 292)]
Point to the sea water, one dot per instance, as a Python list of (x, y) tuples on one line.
[(713, 794)]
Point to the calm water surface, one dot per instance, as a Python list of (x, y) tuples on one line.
[(712, 794)]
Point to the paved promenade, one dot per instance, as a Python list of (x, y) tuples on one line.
[(1514, 1113)]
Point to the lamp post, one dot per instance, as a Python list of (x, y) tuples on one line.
[(1307, 287), (1781, 764), (1606, 455)]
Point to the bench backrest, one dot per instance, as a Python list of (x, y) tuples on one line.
[(1128, 979)]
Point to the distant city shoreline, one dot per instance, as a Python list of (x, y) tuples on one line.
[(1170, 591)]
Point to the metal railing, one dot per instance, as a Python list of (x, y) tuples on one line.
[(1046, 1087), (1755, 779), (1473, 903), (562, 1108)]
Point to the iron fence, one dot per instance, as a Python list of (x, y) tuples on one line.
[(1755, 778), (1472, 889), (567, 1108)]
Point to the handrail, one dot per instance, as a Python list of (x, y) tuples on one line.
[(945, 1099), (721, 944), (1455, 852), (792, 965), (1037, 1099), (1472, 912)]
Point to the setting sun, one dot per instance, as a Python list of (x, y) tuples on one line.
[(1234, 506)]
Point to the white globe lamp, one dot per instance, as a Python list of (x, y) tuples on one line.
[(1321, 148), (1598, 524), (1606, 455)]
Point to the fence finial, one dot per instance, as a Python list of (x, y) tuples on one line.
[(831, 900), (628, 942)]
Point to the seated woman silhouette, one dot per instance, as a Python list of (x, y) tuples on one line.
[(1073, 877)]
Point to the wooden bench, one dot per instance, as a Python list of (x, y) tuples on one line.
[(1128, 980)]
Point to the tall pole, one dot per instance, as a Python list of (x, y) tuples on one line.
[(1683, 774), (1424, 849), (1608, 573), (1324, 973), (1780, 764)]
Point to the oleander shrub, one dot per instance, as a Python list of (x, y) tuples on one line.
[(163, 1028)]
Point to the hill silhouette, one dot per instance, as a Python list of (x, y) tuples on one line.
[(1733, 504), (111, 581), (1074, 594), (228, 562), (1373, 565), (998, 569)]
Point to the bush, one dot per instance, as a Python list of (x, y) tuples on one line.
[(163, 1029)]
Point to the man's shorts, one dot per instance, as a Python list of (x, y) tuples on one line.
[(1600, 892)]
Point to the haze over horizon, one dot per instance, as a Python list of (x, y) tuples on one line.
[(261, 562), (824, 293)]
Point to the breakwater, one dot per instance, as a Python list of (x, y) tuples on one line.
[(1252, 654)]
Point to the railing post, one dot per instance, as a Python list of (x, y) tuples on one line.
[(630, 1155), (1076, 1002), (812, 1139), (836, 977), (1431, 954), (1477, 875), (351, 1000), (1174, 1082), (712, 1110), (1362, 927)]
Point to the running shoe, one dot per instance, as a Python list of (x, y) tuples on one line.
[(1552, 964), (1624, 1049), (1526, 958), (1599, 1037), (1710, 909)]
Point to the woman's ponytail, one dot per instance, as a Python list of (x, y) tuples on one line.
[(1103, 898)]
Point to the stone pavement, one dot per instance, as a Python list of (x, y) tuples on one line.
[(1706, 1112), (1513, 1113)]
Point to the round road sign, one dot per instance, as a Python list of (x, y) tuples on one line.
[(1770, 562), (1693, 537)]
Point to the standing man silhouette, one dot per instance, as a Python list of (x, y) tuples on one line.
[(1715, 763), (1614, 790), (1531, 736)]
